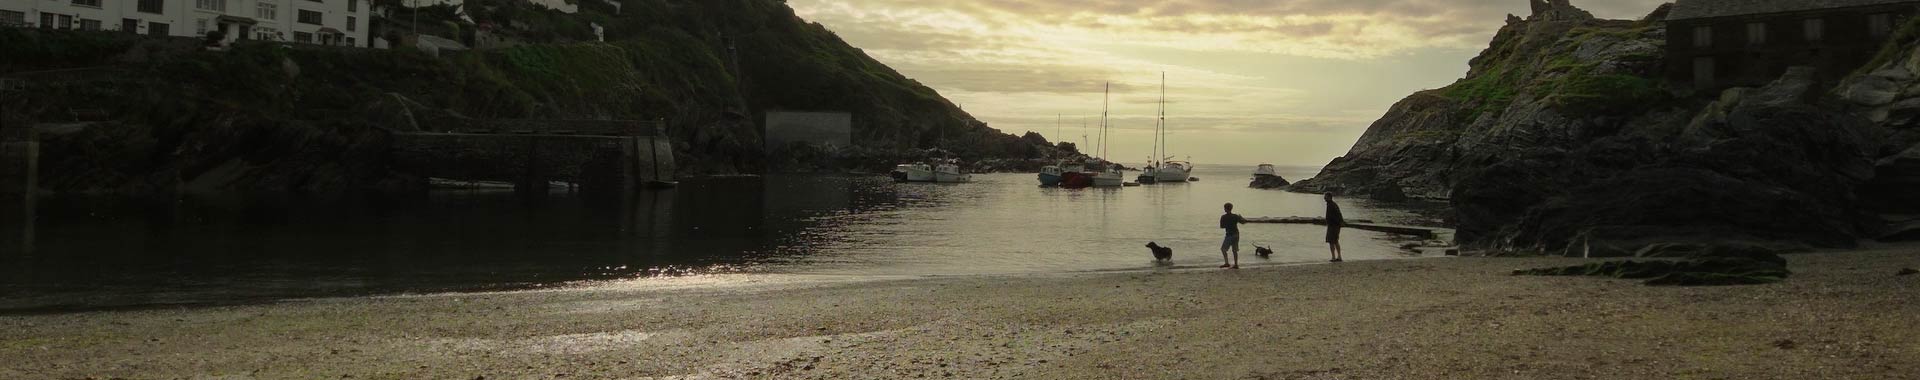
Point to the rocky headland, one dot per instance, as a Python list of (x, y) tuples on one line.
[(126, 114), (1565, 138)]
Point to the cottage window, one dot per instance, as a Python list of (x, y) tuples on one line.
[(66, 22), (1880, 24), (152, 6), (87, 3), (11, 18), (1816, 29), (1756, 34), (46, 20), (200, 27), (130, 25), (158, 29), (351, 21), (268, 11), (350, 41), (1703, 36), (309, 17), (303, 37), (86, 24), (353, 5), (211, 5)]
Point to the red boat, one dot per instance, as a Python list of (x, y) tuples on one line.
[(1076, 180)]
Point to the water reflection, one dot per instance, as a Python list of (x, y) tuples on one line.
[(107, 252)]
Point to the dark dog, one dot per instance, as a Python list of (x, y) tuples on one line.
[(1160, 253), (1262, 251)]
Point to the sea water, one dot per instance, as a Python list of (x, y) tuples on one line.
[(106, 253)]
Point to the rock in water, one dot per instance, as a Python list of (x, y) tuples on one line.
[(1269, 182)]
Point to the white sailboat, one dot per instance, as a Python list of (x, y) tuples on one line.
[(1167, 170)]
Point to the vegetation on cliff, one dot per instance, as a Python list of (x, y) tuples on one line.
[(708, 68)]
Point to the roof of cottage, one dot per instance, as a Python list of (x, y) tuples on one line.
[(1696, 9)]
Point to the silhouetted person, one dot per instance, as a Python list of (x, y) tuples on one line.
[(1231, 222), (1335, 222)]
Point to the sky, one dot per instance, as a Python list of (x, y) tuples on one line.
[(1289, 82)]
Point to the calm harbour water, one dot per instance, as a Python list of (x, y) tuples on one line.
[(93, 253)]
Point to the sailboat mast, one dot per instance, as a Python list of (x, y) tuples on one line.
[(1161, 154), (1106, 102)]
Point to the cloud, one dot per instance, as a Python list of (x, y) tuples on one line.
[(1319, 70)]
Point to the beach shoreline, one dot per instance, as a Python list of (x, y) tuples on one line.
[(1842, 315)]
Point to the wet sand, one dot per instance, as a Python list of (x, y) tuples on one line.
[(1843, 315)]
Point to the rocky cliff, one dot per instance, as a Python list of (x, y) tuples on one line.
[(156, 115), (1563, 138)]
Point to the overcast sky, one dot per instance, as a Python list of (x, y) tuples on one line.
[(1290, 82)]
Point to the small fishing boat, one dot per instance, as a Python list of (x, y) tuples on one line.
[(913, 173), (1051, 175), (1265, 170), (1147, 176), (950, 173)]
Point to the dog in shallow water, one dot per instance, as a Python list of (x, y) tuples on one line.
[(1160, 253), (1262, 251)]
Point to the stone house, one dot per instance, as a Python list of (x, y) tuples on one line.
[(1716, 44)]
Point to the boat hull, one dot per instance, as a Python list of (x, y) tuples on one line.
[(1076, 180), (913, 175), (1173, 173), (1051, 176), (1047, 179), (1109, 179), (952, 178)]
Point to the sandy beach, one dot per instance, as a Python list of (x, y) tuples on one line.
[(1843, 315)]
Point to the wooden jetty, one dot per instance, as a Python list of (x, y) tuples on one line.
[(1358, 224)]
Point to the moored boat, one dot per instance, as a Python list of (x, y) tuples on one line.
[(1051, 175), (1265, 170), (1174, 171), (951, 173), (1109, 178), (1147, 176), (913, 173)]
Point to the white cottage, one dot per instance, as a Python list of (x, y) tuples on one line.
[(325, 22)]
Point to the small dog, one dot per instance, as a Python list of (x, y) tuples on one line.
[(1262, 251), (1160, 253)]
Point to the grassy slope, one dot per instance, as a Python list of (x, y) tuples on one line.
[(664, 59)]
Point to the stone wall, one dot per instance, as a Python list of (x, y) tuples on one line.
[(543, 127), (596, 163)]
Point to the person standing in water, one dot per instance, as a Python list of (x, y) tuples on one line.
[(1335, 222), (1231, 222)]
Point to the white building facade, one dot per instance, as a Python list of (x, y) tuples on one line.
[(325, 22)]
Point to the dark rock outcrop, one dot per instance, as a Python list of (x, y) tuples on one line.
[(1563, 138), (1269, 182), (1688, 264)]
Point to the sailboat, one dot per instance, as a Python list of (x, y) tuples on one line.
[(1167, 170), (1106, 177)]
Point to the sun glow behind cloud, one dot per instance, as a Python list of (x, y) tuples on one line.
[(1288, 82)]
